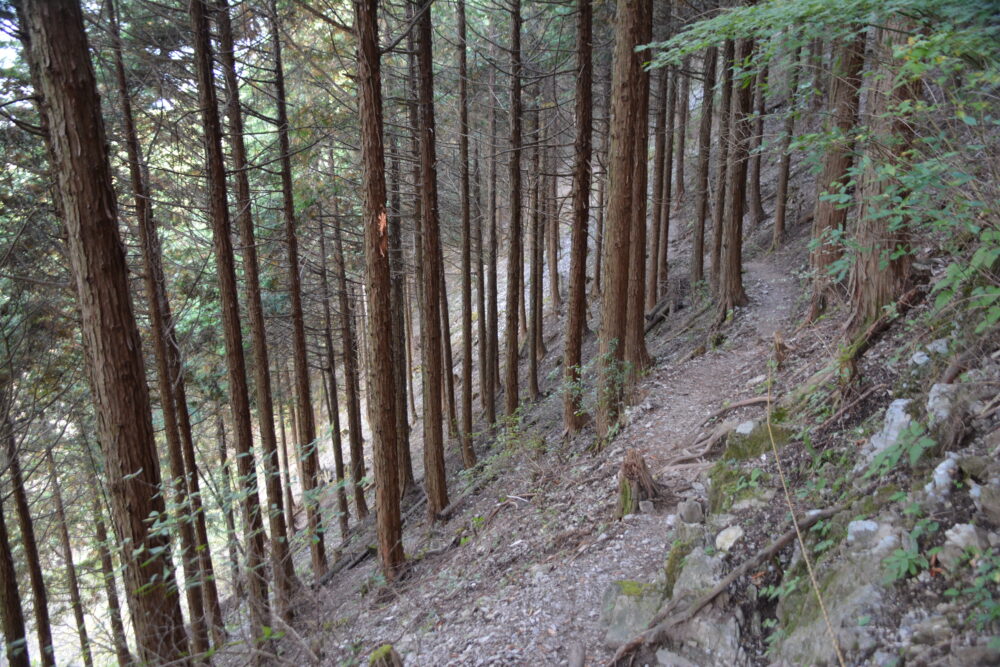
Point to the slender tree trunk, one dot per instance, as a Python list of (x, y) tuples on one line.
[(535, 268), (757, 213), (881, 271), (552, 206), (667, 190), (731, 292), (490, 372), (399, 341), (229, 302), (72, 583), (409, 349), (819, 85), (683, 101), (576, 320), (286, 471), (704, 159), (32, 560), (14, 633), (162, 332), (351, 384), (829, 217), (625, 100), (58, 55), (232, 540), (378, 280), (108, 579), (282, 565), (479, 256), (333, 402), (659, 141), (725, 128), (515, 256), (784, 155), (465, 430), (636, 355)]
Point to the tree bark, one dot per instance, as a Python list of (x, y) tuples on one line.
[(667, 190), (490, 373), (108, 579), (704, 159), (480, 267), (535, 268), (465, 430), (757, 213), (829, 217), (731, 292), (378, 278), (659, 142), (576, 320), (784, 155), (284, 569), (683, 100), (239, 395), (515, 255), (58, 55), (14, 633), (72, 583), (725, 129), (232, 541)]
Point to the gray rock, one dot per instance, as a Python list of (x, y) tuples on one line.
[(939, 488), (897, 419), (919, 358), (690, 511), (958, 540), (665, 658), (861, 531), (746, 428), (941, 401), (931, 630), (939, 346), (700, 573), (989, 501), (725, 540), (577, 654), (627, 609), (646, 506)]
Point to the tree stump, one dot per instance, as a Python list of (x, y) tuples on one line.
[(635, 484)]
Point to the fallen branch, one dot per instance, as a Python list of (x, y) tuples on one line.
[(842, 411), (665, 620), (756, 400)]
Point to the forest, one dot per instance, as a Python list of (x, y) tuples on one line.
[(500, 332)]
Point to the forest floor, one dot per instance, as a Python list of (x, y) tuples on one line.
[(518, 573)]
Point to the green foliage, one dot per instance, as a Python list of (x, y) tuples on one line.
[(912, 444), (981, 594), (909, 561)]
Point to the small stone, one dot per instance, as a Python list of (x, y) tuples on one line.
[(690, 511), (958, 540), (919, 358), (939, 346), (725, 540), (939, 487), (746, 428), (665, 658), (940, 403), (756, 380), (989, 500), (859, 531), (646, 506), (897, 420)]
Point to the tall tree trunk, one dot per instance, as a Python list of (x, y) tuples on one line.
[(162, 332), (625, 100), (535, 268), (448, 375), (683, 101), (881, 270), (351, 385), (232, 540), (14, 633), (434, 472), (731, 292), (704, 158), (282, 565), (490, 373), (399, 340), (310, 455), (659, 141), (239, 395), (784, 154), (333, 401), (108, 579), (636, 355), (667, 189), (480, 267), (72, 583), (829, 217), (378, 279), (515, 269), (552, 206), (58, 55), (286, 472), (465, 430), (576, 320), (722, 180), (757, 213)]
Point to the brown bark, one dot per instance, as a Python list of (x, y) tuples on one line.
[(332, 399), (14, 633), (731, 292), (72, 583), (725, 129), (239, 395), (285, 580), (480, 268), (880, 273), (232, 541), (108, 579), (683, 100), (535, 268), (515, 255), (636, 356), (784, 155), (625, 100), (162, 332), (448, 375), (667, 190), (434, 472), (635, 484), (58, 55), (704, 158), (490, 373), (659, 142), (757, 213), (829, 217), (378, 279), (286, 473), (576, 319), (465, 429), (351, 385)]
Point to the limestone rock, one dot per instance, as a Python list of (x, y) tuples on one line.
[(627, 609), (958, 540), (897, 419), (725, 540), (690, 511)]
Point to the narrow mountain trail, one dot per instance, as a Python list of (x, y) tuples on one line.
[(517, 576)]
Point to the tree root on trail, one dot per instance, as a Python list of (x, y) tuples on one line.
[(756, 400), (659, 629)]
